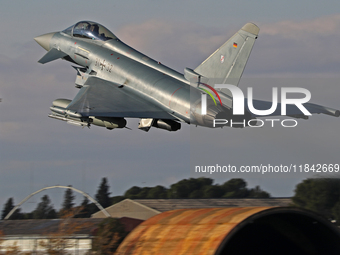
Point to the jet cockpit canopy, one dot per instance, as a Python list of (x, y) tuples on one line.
[(90, 30)]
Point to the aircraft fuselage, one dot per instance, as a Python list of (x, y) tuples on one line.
[(138, 74)]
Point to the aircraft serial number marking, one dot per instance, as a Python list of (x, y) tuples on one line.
[(103, 65)]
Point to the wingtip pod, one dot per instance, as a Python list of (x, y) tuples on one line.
[(251, 28), (323, 109)]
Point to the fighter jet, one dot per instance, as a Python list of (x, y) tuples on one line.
[(118, 82)]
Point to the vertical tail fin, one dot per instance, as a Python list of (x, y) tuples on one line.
[(226, 64)]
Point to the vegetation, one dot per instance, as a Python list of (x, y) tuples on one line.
[(44, 209), (57, 244), (85, 211), (68, 200), (186, 188), (8, 207), (103, 194), (11, 249), (198, 188), (319, 195), (108, 237)]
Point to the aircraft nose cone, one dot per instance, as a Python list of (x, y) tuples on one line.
[(44, 40)]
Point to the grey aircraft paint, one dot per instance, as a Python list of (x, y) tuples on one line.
[(118, 82)]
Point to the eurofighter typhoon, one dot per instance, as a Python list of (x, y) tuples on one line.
[(117, 82)]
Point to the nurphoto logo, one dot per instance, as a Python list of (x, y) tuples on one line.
[(238, 103)]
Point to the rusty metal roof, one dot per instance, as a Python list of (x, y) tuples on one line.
[(185, 231), (243, 230)]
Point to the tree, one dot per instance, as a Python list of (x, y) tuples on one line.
[(9, 249), (132, 192), (184, 188), (235, 188), (137, 192), (7, 208), (144, 193), (319, 195), (195, 189), (13, 249), (202, 181), (85, 209), (103, 194), (157, 192), (180, 189), (257, 192), (58, 241), (44, 209), (68, 200), (336, 212), (109, 235), (212, 191), (196, 194)]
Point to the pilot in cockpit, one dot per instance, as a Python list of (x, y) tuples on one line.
[(90, 30), (94, 30)]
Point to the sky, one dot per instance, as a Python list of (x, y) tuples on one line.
[(298, 46)]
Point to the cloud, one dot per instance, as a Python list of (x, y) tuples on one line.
[(286, 47), (321, 26), (175, 43), (308, 47)]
